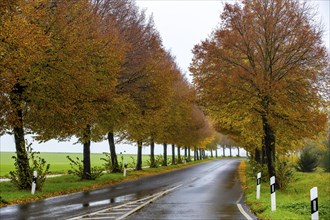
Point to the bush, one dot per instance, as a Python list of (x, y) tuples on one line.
[(157, 162), (325, 161), (133, 164), (37, 164), (284, 172), (109, 167), (255, 168), (77, 167), (308, 160)]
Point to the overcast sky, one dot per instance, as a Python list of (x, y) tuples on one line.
[(181, 24), (184, 23)]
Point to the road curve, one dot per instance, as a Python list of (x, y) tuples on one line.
[(212, 189), (211, 194)]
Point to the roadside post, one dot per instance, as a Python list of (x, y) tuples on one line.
[(272, 193), (34, 182), (258, 185), (314, 204)]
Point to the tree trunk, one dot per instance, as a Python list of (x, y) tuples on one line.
[(200, 154), (224, 151), (87, 153), (165, 155), (197, 156), (263, 156), (238, 152), (179, 155), (212, 153), (230, 151), (114, 161), (24, 170), (216, 153), (257, 156), (185, 153), (173, 154), (269, 141), (188, 159), (139, 156), (152, 154)]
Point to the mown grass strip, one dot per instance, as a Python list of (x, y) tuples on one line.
[(294, 202), (68, 184)]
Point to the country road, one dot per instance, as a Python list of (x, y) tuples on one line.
[(206, 191)]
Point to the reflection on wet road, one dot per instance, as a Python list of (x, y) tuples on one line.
[(212, 194), (209, 191)]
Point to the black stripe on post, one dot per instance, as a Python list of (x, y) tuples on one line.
[(258, 181), (272, 188), (314, 205), (34, 179)]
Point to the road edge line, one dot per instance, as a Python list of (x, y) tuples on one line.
[(240, 208)]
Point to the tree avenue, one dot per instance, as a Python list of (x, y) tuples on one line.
[(262, 76), (91, 70)]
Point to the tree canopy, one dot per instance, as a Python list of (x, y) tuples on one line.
[(262, 75), (88, 69)]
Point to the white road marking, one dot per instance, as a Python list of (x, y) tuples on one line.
[(133, 206), (240, 208)]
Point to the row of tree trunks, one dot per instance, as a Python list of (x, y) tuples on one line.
[(199, 154), (230, 151)]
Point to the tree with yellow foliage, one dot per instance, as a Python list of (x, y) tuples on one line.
[(262, 75), (22, 45)]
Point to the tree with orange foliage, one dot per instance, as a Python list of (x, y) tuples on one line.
[(77, 87), (262, 74), (144, 76), (22, 45)]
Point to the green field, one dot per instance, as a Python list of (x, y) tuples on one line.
[(59, 163), (294, 202)]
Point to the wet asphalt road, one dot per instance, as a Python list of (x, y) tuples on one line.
[(209, 191), (211, 194)]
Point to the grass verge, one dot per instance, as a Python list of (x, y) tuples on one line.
[(66, 184), (294, 202)]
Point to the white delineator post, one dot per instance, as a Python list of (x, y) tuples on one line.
[(272, 193), (34, 182), (258, 185), (314, 204)]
